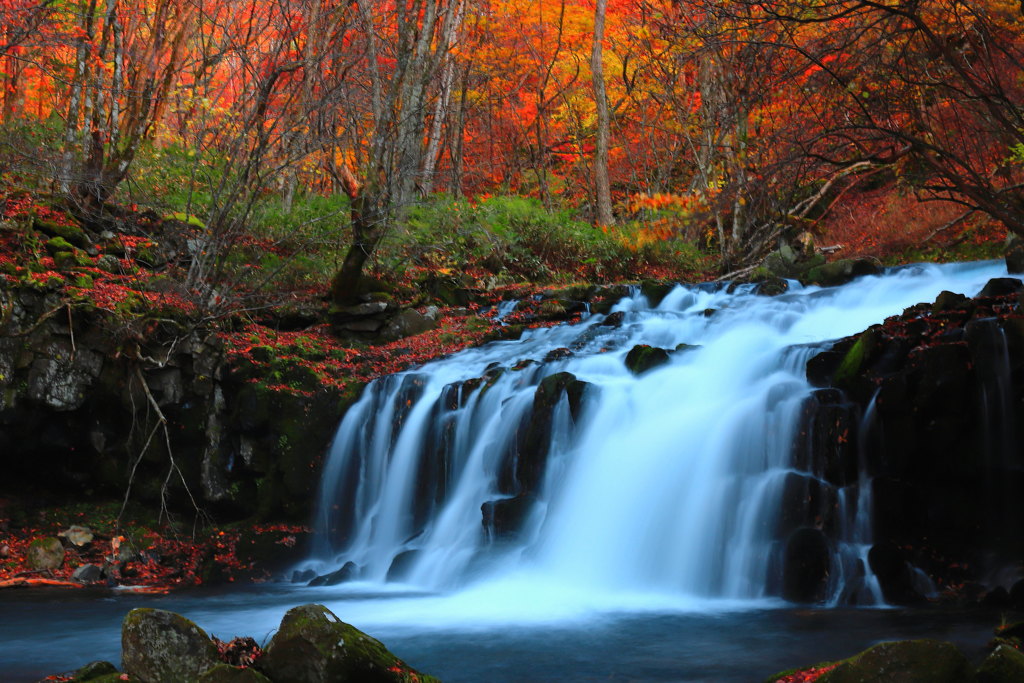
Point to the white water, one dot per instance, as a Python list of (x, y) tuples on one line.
[(664, 493)]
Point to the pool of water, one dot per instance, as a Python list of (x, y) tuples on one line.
[(45, 631)]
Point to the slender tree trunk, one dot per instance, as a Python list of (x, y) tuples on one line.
[(602, 184)]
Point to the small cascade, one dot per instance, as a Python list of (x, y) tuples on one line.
[(647, 451)]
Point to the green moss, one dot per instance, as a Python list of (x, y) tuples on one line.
[(855, 358), (70, 233), (58, 244)]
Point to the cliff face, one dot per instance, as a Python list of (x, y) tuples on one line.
[(97, 403), (928, 415)]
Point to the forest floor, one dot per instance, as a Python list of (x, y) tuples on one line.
[(137, 553)]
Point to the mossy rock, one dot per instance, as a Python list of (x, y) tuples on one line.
[(903, 661), (854, 361), (225, 673), (163, 647), (58, 245), (45, 554), (82, 280), (69, 260), (71, 233), (313, 646), (642, 358), (1004, 665), (840, 272), (94, 671)]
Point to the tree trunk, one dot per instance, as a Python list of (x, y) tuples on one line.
[(602, 184)]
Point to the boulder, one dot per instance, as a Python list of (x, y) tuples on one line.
[(45, 554), (162, 647), (313, 646), (1001, 286), (1004, 665), (904, 661), (642, 358), (77, 535), (894, 574)]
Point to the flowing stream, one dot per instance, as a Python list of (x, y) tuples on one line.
[(627, 531), (651, 490)]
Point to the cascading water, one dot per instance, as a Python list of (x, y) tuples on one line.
[(548, 459)]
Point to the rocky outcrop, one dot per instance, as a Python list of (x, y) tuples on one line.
[(311, 646), (925, 409), (87, 391)]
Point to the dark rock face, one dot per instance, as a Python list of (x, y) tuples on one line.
[(943, 389), (523, 469), (79, 390), (313, 646), (502, 519), (163, 647), (806, 565)]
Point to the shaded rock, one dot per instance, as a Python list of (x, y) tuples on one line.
[(94, 670), (44, 554), (1014, 253), (904, 661), (773, 285), (558, 354), (950, 301), (997, 597), (313, 646), (401, 565), (162, 647), (347, 572), (409, 323), (1001, 286), (225, 673), (1004, 665), (805, 566), (88, 573), (642, 358), (655, 291), (613, 320)]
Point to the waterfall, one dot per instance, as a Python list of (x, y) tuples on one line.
[(550, 458)]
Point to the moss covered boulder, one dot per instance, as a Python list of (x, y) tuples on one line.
[(313, 646), (642, 358), (162, 647), (45, 554), (1004, 665), (903, 661)]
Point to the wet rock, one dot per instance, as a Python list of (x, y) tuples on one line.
[(904, 661), (313, 646), (806, 566), (558, 354), (840, 272), (655, 291), (402, 565), (1004, 665), (346, 572), (642, 358), (45, 554), (613, 320), (806, 502), (772, 285), (225, 673), (163, 647), (502, 519)]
